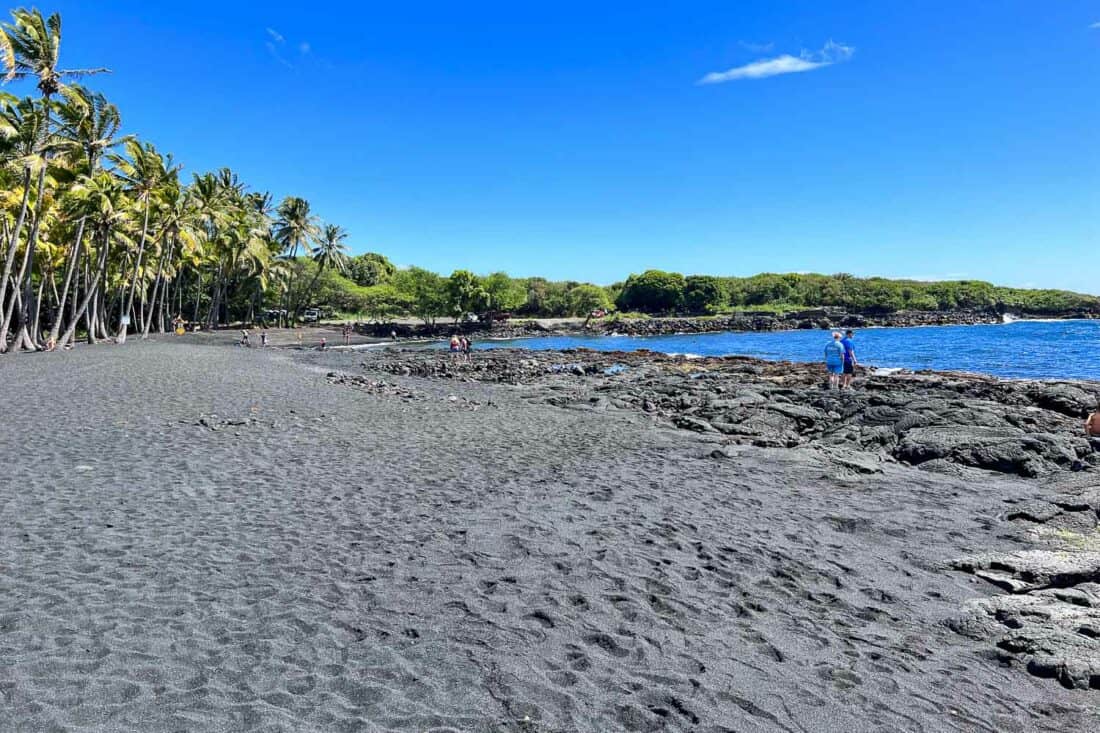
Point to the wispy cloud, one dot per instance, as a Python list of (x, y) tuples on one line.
[(832, 53), (1095, 26), (756, 47), (274, 51), (280, 50)]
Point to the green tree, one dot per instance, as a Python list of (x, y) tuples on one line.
[(583, 299), (331, 252), (425, 292), (465, 293), (294, 228), (370, 269), (381, 302), (704, 294), (502, 293), (654, 291)]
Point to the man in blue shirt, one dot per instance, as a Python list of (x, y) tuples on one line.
[(849, 360)]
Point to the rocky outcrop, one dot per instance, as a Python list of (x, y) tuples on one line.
[(1048, 618), (927, 420)]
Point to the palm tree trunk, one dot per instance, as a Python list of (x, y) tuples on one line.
[(70, 267), (16, 296), (13, 245), (29, 310), (37, 316), (92, 291), (147, 321), (137, 273)]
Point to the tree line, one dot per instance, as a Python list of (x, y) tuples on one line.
[(374, 287)]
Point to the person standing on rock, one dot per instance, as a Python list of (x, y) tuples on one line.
[(849, 360), (834, 360)]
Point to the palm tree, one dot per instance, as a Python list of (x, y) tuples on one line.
[(143, 171), (101, 202), (89, 127), (330, 252), (27, 144), (294, 228), (22, 130), (31, 47)]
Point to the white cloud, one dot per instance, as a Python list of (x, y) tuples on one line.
[(304, 47), (832, 53), (275, 35), (1095, 26)]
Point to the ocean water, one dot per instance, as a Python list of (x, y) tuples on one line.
[(1023, 349)]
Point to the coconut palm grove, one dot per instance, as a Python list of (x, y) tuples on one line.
[(105, 235)]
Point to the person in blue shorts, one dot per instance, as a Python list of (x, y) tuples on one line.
[(849, 360), (834, 360)]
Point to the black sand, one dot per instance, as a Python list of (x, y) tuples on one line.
[(203, 538)]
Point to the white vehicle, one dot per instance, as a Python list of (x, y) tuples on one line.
[(311, 315)]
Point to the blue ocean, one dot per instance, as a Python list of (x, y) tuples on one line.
[(1023, 349)]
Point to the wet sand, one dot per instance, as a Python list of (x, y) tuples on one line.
[(206, 538)]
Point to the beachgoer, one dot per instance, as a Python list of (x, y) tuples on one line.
[(849, 360), (347, 334), (263, 338), (244, 337), (467, 347), (324, 343), (1092, 425), (834, 360), (456, 346), (393, 335), (299, 335)]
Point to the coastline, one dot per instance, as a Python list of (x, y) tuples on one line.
[(823, 319)]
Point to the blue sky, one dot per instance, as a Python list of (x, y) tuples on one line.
[(575, 140)]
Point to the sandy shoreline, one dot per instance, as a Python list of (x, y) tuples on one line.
[(202, 538)]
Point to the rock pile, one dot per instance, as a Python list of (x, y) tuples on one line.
[(931, 420)]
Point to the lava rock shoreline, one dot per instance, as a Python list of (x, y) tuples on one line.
[(932, 420)]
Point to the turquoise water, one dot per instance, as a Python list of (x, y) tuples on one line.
[(1024, 349)]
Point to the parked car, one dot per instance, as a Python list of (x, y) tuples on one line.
[(311, 315)]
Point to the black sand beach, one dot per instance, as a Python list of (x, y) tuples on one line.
[(205, 538)]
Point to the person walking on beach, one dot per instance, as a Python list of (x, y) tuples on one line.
[(849, 360), (244, 338), (467, 347), (324, 343), (393, 335), (263, 339), (347, 334), (834, 360), (456, 347)]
